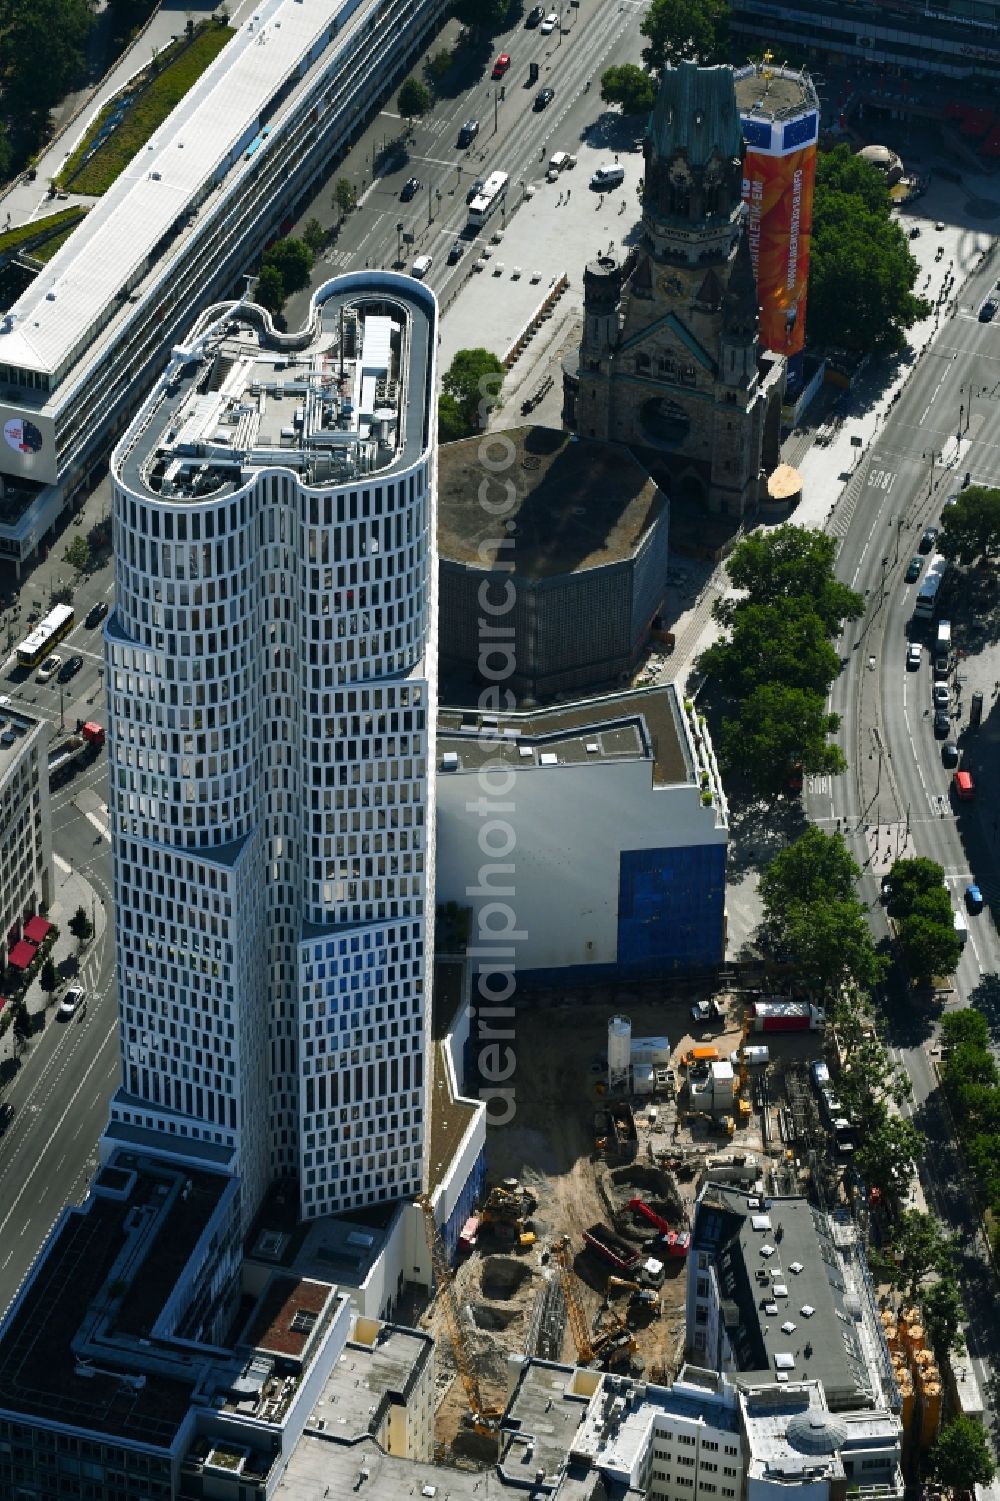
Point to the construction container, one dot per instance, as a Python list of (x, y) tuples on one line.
[(654, 1050), (619, 1050), (785, 1016)]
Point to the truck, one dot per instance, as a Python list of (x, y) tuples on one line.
[(468, 1235), (942, 638), (77, 750), (624, 1259), (785, 1016)]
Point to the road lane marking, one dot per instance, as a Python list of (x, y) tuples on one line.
[(61, 864), (39, 1158), (101, 828)]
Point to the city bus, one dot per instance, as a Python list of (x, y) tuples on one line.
[(485, 204), (57, 624), (927, 594)]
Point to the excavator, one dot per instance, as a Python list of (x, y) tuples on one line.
[(611, 1346), (485, 1419)]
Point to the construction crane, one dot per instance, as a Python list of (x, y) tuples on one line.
[(574, 1309), (485, 1420)]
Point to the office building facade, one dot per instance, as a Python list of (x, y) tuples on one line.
[(271, 696), (239, 156)]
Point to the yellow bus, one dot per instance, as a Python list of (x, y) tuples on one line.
[(57, 624)]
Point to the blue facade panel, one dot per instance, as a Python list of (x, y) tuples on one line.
[(670, 907)]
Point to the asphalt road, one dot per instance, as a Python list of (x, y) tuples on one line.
[(513, 137), (896, 799), (60, 1094)]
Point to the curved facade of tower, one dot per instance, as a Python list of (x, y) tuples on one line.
[(271, 695)]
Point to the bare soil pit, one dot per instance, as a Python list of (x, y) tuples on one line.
[(502, 1277)]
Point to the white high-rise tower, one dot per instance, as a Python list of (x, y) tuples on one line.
[(270, 678)]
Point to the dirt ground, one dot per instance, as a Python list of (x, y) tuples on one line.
[(549, 1147)]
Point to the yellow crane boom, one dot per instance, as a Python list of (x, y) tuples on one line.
[(486, 1419), (574, 1308)]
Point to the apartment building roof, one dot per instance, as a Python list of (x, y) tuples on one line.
[(16, 728), (199, 147)]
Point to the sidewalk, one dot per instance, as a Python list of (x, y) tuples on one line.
[(72, 891)]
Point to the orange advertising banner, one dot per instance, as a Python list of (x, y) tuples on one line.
[(778, 192)]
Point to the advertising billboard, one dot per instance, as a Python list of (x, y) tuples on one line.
[(27, 444), (778, 192)]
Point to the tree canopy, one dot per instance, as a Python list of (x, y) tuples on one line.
[(482, 15), (677, 29), (970, 530), (784, 642), (41, 49), (862, 274), (470, 387), (921, 1249), (414, 99), (921, 906), (778, 728), (817, 868), (792, 563), (629, 86), (960, 1457)]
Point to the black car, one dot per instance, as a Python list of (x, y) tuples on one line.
[(949, 753), (96, 614), (468, 134), (913, 568), (942, 723), (456, 252), (410, 189), (533, 17), (475, 190), (928, 539), (70, 668), (987, 311), (6, 1116), (544, 98)]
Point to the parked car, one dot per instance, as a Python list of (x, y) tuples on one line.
[(949, 753), (914, 656), (987, 311), (70, 668), (544, 98), (915, 232), (941, 695), (550, 23), (96, 614), (533, 17), (71, 1003), (6, 1116), (410, 189), (49, 668), (973, 897), (939, 226), (928, 539), (468, 134), (913, 568), (502, 65), (942, 666), (942, 724)]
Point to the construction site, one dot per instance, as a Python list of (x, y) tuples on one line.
[(578, 1251)]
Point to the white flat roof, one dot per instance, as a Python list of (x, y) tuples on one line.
[(189, 150)]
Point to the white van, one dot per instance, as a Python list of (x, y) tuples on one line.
[(961, 927), (607, 177), (421, 266)]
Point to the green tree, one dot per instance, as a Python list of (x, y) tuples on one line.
[(961, 1457), (21, 1024), (53, 30), (784, 641), (776, 729), (438, 64), (887, 1155), (914, 883), (862, 274), (292, 259), (314, 236), (451, 421), (685, 28), (80, 925), (414, 99), (344, 197), (49, 978), (629, 86), (270, 289), (942, 1310), (921, 1247), (965, 1026), (6, 154), (77, 554), (929, 947), (790, 563), (817, 868), (474, 378), (970, 530), (486, 16)]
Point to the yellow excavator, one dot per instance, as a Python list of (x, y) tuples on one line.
[(612, 1346)]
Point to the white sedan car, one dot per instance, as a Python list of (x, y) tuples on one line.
[(549, 24), (49, 668)]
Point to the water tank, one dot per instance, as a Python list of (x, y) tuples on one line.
[(619, 1050)]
